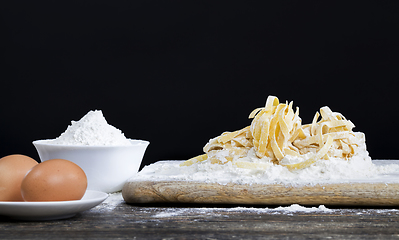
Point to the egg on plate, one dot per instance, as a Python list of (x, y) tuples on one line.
[(54, 180), (13, 169)]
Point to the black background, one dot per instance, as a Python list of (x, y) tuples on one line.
[(177, 73)]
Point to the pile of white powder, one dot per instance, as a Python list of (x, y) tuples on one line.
[(323, 171), (92, 130)]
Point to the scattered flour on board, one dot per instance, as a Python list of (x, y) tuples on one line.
[(323, 171), (92, 130)]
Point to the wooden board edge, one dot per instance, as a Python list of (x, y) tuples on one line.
[(339, 194)]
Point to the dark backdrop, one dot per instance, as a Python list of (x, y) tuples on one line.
[(177, 73)]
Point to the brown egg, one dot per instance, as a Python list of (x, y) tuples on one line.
[(54, 180), (13, 169)]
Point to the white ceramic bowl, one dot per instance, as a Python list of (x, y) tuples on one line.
[(107, 167)]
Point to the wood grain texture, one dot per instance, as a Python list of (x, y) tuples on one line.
[(165, 221), (342, 194)]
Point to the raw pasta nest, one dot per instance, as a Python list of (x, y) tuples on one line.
[(277, 131)]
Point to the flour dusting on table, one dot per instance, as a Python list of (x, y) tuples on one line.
[(294, 208), (109, 204)]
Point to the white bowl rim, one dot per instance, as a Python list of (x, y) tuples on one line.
[(135, 142)]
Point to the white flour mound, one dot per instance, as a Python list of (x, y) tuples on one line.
[(92, 130), (324, 171)]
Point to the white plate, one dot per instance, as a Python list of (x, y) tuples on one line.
[(36, 211)]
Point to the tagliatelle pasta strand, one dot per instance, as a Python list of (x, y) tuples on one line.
[(251, 165), (196, 159), (323, 151), (276, 131)]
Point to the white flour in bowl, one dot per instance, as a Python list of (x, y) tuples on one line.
[(92, 130)]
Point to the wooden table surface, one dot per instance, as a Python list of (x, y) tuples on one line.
[(114, 219)]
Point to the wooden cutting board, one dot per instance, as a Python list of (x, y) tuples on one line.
[(379, 192)]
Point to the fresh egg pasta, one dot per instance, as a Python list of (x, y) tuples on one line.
[(276, 134)]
